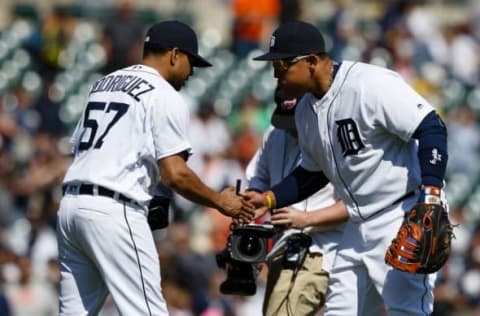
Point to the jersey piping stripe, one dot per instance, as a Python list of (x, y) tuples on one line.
[(331, 144), (138, 259), (425, 280)]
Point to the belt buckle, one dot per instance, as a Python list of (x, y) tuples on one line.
[(95, 190), (73, 189)]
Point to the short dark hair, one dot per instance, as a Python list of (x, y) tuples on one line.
[(152, 49), (323, 55)]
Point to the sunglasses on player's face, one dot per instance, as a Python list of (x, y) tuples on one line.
[(284, 64)]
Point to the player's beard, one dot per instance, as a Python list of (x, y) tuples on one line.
[(177, 83), (177, 79)]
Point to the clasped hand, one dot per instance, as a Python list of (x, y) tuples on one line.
[(236, 206)]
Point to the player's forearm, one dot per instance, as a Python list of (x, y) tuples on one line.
[(189, 185), (179, 177), (334, 214)]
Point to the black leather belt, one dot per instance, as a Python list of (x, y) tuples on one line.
[(93, 189)]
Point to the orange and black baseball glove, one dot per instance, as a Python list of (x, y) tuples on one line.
[(423, 242)]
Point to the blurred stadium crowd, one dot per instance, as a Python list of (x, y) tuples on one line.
[(49, 58)]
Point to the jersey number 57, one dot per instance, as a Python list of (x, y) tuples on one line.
[(92, 124)]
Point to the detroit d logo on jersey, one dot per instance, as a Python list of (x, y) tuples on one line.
[(348, 136)]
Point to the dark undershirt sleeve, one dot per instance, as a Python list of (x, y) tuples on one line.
[(432, 149), (297, 186)]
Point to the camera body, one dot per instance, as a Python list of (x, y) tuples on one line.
[(249, 243), (246, 248)]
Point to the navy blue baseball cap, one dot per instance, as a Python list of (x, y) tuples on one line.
[(168, 34), (284, 115), (293, 39)]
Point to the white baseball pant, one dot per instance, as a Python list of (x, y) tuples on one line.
[(106, 246), (361, 282)]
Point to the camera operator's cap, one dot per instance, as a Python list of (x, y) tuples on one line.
[(176, 34), (284, 115), (294, 39)]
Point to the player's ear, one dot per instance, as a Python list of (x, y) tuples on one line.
[(173, 56), (312, 62), (312, 59)]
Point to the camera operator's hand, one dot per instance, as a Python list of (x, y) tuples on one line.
[(290, 218), (260, 212), (237, 221), (236, 206), (262, 201)]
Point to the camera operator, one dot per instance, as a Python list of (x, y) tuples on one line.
[(304, 251)]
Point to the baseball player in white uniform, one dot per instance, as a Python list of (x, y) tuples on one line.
[(132, 134), (380, 144), (295, 285)]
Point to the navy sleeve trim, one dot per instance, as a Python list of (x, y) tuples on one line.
[(432, 149), (297, 186)]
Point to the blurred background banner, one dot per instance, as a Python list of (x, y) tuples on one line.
[(52, 51)]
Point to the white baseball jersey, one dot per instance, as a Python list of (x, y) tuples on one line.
[(360, 139), (133, 117), (273, 161), (359, 135)]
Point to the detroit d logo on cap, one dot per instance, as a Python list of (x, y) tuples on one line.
[(272, 41)]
